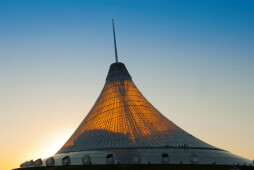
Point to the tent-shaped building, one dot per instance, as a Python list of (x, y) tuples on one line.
[(123, 127)]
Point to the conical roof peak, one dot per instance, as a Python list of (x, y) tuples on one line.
[(118, 69)]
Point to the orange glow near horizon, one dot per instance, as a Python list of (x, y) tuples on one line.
[(40, 146)]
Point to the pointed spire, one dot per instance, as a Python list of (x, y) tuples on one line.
[(115, 41)]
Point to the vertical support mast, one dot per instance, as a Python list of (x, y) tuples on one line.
[(115, 41)]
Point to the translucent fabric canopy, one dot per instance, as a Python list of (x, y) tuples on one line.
[(123, 118)]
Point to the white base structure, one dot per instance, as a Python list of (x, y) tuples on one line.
[(153, 156)]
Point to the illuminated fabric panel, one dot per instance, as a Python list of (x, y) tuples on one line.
[(123, 118)]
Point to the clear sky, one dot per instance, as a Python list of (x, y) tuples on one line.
[(193, 60)]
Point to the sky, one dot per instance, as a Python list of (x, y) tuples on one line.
[(193, 60)]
